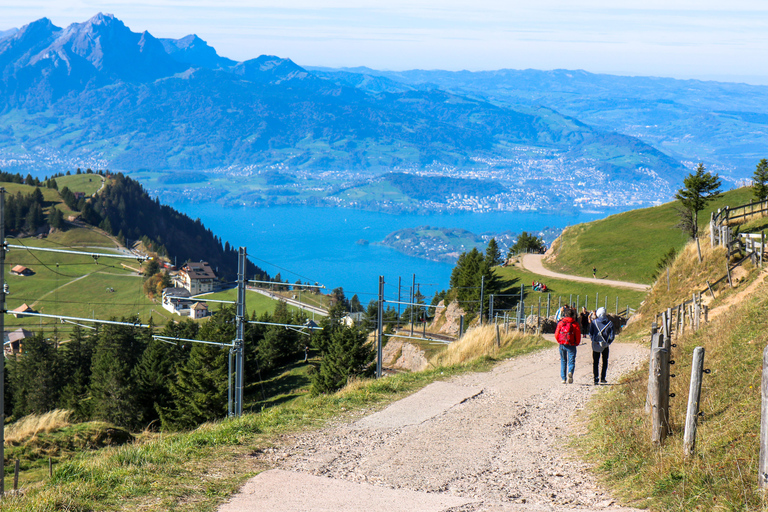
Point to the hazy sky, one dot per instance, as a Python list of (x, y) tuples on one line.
[(704, 39)]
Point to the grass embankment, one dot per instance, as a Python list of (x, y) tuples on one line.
[(627, 246), (196, 471), (723, 473), (511, 277), (34, 439)]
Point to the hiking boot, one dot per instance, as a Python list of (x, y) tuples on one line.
[(602, 381), (564, 381), (597, 382), (570, 378)]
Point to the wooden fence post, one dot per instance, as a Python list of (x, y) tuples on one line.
[(694, 397), (763, 465), (660, 396), (657, 339), (16, 476), (710, 290), (498, 337), (669, 325)]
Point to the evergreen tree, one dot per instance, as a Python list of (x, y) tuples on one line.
[(526, 242), (492, 253), (153, 374), (698, 190), (75, 360), (199, 391), (354, 305), (760, 181), (112, 386), (348, 354), (35, 378)]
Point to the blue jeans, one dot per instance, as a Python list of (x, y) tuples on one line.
[(567, 352)]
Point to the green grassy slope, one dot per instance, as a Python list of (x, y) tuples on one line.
[(562, 291), (627, 246)]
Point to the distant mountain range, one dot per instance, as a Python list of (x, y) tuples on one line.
[(97, 94)]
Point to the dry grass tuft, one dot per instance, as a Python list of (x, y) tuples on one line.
[(478, 342), (29, 426)]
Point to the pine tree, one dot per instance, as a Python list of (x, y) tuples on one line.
[(35, 379), (75, 360), (112, 386), (348, 354), (760, 181), (153, 374), (200, 390), (492, 253), (699, 188)]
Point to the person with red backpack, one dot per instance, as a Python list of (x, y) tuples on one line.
[(568, 335)]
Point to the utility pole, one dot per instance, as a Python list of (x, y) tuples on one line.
[(379, 345), (239, 320), (482, 285), (413, 292), (2, 331), (399, 283)]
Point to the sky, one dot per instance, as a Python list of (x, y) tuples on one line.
[(702, 39)]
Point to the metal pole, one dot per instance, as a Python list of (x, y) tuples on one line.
[(413, 291), (490, 307), (617, 305), (549, 299), (229, 384), (399, 279), (2, 330), (482, 286), (240, 321), (379, 345)]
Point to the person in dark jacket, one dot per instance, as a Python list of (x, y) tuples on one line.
[(584, 320), (601, 334), (568, 335)]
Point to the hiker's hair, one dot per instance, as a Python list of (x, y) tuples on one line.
[(571, 312)]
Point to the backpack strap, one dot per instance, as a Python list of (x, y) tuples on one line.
[(600, 331)]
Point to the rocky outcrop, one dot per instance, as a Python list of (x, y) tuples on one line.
[(401, 355)]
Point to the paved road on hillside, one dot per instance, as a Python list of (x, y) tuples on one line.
[(533, 263), (494, 441)]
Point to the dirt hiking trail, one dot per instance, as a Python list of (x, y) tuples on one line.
[(533, 263), (494, 441)]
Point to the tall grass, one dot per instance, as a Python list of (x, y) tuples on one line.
[(481, 342), (29, 426)]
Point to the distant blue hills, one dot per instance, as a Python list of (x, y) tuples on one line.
[(98, 94)]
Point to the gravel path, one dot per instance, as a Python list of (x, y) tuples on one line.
[(494, 441), (533, 263)]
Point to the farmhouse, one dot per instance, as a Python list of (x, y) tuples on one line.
[(19, 311), (15, 340), (198, 310), (196, 278), (179, 302), (20, 270)]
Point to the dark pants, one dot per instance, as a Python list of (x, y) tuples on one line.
[(596, 363)]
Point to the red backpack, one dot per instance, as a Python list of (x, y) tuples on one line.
[(568, 334)]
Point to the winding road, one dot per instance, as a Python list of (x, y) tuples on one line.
[(534, 263)]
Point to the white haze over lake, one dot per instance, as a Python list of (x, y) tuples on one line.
[(702, 39)]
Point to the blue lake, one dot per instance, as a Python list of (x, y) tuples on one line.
[(319, 244)]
